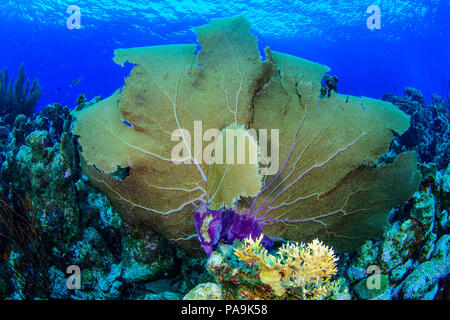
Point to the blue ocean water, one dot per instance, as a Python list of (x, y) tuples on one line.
[(411, 47)]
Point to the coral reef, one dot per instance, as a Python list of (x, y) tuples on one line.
[(247, 270), (29, 268), (325, 183), (411, 260), (20, 98), (429, 133), (332, 184), (117, 260), (304, 268)]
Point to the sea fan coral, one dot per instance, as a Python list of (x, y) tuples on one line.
[(304, 269), (320, 180)]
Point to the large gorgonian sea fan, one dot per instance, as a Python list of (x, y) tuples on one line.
[(327, 185)]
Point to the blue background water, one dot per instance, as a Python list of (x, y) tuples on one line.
[(412, 48)]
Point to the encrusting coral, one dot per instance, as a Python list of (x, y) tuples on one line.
[(327, 184), (305, 269)]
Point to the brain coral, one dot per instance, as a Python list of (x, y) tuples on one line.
[(327, 185)]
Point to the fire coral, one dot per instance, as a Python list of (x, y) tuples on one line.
[(328, 185), (306, 269)]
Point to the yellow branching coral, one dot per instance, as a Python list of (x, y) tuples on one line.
[(304, 269)]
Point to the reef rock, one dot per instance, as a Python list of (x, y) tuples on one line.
[(429, 133)]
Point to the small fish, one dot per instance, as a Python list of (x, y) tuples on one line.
[(76, 81)]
